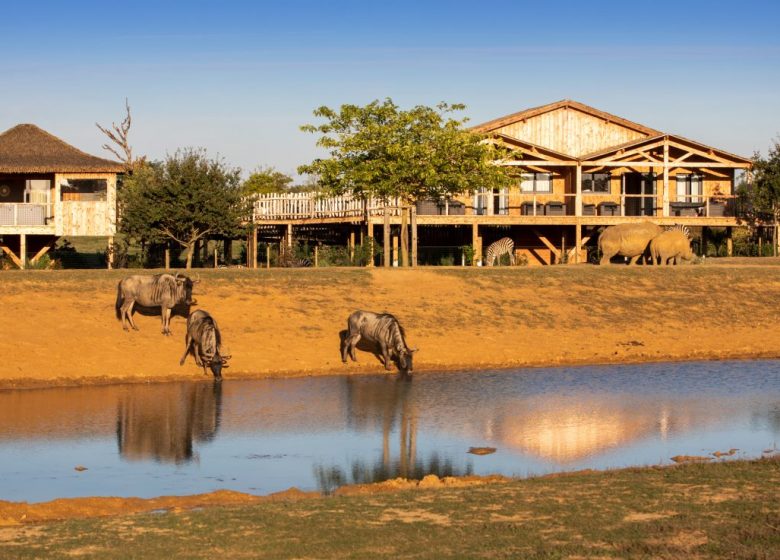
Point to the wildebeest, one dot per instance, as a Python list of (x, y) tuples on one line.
[(627, 240), (160, 290), (204, 342), (382, 329)]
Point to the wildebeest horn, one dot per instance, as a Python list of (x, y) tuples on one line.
[(413, 350)]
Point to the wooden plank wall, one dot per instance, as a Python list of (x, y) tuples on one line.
[(572, 132)]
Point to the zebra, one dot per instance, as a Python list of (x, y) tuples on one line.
[(496, 250), (680, 227)]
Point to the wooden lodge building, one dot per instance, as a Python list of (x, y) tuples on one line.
[(577, 170), (49, 189)]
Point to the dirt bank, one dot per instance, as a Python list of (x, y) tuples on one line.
[(59, 327)]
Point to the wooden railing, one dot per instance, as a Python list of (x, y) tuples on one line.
[(25, 214), (300, 206)]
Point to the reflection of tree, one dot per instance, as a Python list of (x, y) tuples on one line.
[(385, 404), (162, 422)]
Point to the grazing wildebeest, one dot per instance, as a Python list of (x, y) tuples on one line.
[(204, 342), (161, 290), (383, 330)]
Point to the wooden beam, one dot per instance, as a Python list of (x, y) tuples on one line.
[(578, 191), (521, 163), (555, 251), (571, 253), (370, 232), (386, 238), (475, 243), (45, 249), (611, 163), (665, 201), (11, 255), (23, 250), (710, 155)]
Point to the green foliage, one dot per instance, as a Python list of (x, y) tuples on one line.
[(183, 199), (468, 254), (765, 192), (338, 255), (266, 180), (382, 151)]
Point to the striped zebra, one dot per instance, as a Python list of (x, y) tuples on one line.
[(496, 250), (680, 227)]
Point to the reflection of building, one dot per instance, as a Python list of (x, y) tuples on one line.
[(386, 404), (162, 422)]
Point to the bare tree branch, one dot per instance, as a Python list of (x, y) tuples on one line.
[(118, 135)]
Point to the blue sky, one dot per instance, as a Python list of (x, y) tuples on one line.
[(239, 78)]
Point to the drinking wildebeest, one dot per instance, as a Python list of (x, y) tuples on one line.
[(627, 240), (204, 342), (165, 291), (381, 329)]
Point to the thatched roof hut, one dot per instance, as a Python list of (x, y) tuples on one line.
[(26, 148)]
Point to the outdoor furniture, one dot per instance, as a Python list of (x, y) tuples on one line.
[(609, 209), (527, 209), (717, 209), (588, 209), (554, 208), (428, 207), (683, 209)]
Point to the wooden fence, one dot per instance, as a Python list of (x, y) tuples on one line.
[(301, 206)]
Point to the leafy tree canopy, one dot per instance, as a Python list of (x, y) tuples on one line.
[(765, 193), (383, 151), (185, 198), (266, 180)]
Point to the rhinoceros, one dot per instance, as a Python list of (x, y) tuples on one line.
[(628, 240), (671, 245)]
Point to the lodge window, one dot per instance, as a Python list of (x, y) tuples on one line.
[(596, 182), (491, 202), (536, 183), (689, 188), (84, 190)]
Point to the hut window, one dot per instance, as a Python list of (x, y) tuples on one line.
[(595, 182), (536, 182), (84, 190), (689, 188)]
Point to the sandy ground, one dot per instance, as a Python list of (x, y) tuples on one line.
[(59, 327)]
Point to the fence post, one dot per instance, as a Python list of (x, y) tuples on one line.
[(386, 238), (413, 211)]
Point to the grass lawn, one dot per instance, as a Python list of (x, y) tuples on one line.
[(721, 510)]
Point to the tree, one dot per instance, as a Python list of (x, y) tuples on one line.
[(185, 198), (266, 180), (765, 190), (382, 151), (119, 144)]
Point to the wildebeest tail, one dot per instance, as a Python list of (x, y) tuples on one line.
[(119, 300)]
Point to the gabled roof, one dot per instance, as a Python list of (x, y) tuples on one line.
[(706, 151), (26, 148), (564, 103), (530, 148)]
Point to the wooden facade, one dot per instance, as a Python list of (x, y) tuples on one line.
[(576, 169), (49, 189)]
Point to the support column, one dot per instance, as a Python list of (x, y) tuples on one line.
[(395, 250), (289, 235), (404, 238), (578, 195), (23, 251), (577, 242), (370, 231), (729, 242), (665, 199), (413, 212), (167, 257), (254, 248), (386, 256), (352, 247), (109, 254)]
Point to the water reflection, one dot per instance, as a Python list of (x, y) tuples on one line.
[(386, 406), (161, 423), (268, 435)]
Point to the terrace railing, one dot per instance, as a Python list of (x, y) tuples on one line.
[(25, 214), (301, 206)]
